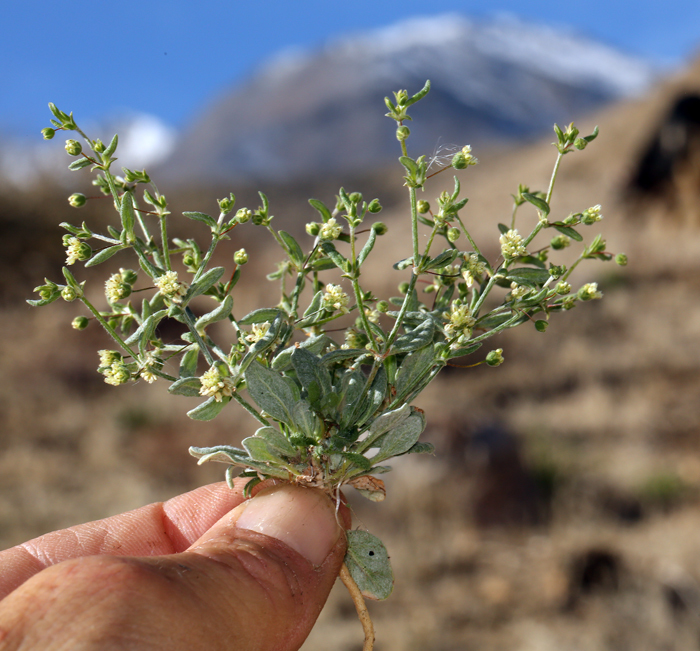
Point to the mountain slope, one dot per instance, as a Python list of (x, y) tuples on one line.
[(322, 111)]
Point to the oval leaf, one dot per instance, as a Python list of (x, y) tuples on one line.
[(368, 563)]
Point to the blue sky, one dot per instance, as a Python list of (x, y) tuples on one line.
[(169, 58)]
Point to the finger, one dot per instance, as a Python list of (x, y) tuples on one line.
[(156, 529), (256, 580)]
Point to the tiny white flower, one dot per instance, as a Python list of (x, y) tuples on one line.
[(170, 287), (216, 385), (258, 331), (335, 299), (330, 230), (512, 244)]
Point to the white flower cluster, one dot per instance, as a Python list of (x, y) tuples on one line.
[(589, 292), (518, 291), (473, 269), (512, 244), (74, 250), (216, 385), (170, 287), (335, 299), (591, 215), (150, 361), (258, 331), (469, 158), (118, 373), (460, 324), (116, 288), (330, 230)]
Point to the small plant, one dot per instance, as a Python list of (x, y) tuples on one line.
[(332, 408)]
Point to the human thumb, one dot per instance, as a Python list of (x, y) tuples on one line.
[(264, 571)]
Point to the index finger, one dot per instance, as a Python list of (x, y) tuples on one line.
[(159, 528)]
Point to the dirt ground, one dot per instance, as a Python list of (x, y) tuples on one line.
[(561, 510)]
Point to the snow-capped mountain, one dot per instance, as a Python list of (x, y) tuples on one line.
[(321, 111)]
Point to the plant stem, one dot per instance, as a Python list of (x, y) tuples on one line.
[(360, 607), (110, 331)]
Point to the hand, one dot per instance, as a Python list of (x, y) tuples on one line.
[(205, 570)]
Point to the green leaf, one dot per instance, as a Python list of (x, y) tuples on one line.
[(296, 255), (314, 377), (322, 209), (367, 248), (569, 232), (357, 460), (220, 453), (209, 409), (461, 352), (442, 260), (188, 362), (103, 255), (260, 316), (260, 450), (340, 355), (79, 164), (531, 259), (128, 215), (538, 202), (305, 419), (382, 424), (220, 313), (422, 448), (528, 276), (412, 370), (368, 563), (311, 313), (322, 264), (316, 345), (420, 94), (201, 217), (339, 260), (139, 333), (401, 439), (203, 284), (111, 148), (270, 392), (503, 228), (186, 386), (416, 338), (277, 441)]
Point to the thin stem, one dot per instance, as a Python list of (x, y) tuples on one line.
[(110, 331), (250, 409), (363, 317), (469, 237), (164, 241), (414, 224), (207, 257), (360, 606), (200, 342), (402, 313)]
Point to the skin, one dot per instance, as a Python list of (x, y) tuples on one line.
[(206, 570)]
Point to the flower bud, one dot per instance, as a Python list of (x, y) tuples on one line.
[(541, 325), (258, 218), (69, 293), (380, 228), (240, 256), (99, 146), (560, 242), (463, 158), (374, 206), (563, 288), (589, 292), (621, 259), (580, 144), (355, 197), (313, 228), (382, 306), (402, 133), (73, 147), (48, 133), (77, 200), (243, 215), (403, 287), (80, 322), (495, 357), (129, 276), (423, 207), (226, 204), (453, 234)]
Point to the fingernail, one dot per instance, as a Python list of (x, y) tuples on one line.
[(302, 518)]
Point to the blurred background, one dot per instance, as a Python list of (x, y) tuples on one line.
[(562, 508)]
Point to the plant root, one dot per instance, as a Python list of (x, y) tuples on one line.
[(360, 607)]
